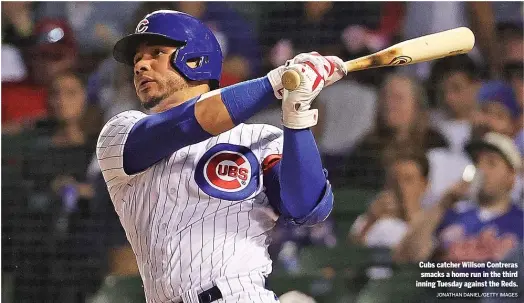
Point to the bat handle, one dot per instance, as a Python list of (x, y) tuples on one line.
[(290, 80)]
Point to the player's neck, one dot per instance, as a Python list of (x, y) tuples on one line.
[(180, 97)]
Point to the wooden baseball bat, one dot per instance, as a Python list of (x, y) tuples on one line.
[(443, 44)]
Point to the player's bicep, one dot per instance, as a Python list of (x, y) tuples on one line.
[(158, 136)]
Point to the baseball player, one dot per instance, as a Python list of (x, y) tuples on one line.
[(197, 190)]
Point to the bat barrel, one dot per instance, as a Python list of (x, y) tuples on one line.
[(430, 47)]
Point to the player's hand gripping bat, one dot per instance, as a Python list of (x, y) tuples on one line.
[(443, 44)]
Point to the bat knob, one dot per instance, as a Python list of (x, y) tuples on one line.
[(290, 80)]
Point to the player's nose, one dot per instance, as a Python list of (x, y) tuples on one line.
[(141, 66)]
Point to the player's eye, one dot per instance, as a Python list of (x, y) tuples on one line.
[(136, 59), (157, 52)]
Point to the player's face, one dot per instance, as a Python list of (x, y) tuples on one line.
[(498, 176), (154, 77)]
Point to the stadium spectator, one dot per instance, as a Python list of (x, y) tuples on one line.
[(13, 72), (456, 81), (13, 64), (511, 39), (96, 25), (499, 109), (237, 37), (498, 112), (53, 52), (501, 112), (423, 18), (18, 23), (307, 26), (299, 27), (454, 85), (513, 74), (408, 171), (55, 163), (467, 231), (363, 37), (400, 119), (385, 222)]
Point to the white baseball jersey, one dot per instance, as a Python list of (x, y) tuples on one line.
[(198, 217)]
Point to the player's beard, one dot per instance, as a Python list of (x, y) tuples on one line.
[(166, 90)]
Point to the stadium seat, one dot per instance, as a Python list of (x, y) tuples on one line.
[(400, 288), (345, 259), (7, 287), (327, 274), (351, 201), (120, 289), (342, 227), (323, 290)]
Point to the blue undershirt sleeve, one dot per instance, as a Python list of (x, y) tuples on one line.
[(157, 136), (245, 99), (297, 186)]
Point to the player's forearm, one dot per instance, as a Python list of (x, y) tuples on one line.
[(417, 245), (234, 105), (302, 173)]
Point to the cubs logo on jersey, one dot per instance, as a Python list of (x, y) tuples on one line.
[(229, 172)]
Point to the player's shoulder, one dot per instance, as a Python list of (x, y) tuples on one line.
[(123, 119), (118, 126), (128, 116)]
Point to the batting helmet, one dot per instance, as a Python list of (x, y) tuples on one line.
[(194, 39)]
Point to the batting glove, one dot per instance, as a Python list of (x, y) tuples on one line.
[(296, 112), (330, 69)]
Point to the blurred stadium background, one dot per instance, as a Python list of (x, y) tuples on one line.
[(61, 239)]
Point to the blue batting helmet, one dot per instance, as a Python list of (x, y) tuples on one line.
[(193, 38)]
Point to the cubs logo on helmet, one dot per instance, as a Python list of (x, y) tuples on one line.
[(229, 172), (142, 26)]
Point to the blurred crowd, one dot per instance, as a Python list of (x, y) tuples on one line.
[(409, 134)]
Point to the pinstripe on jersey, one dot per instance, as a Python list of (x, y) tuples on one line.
[(182, 237)]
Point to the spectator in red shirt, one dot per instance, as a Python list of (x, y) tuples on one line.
[(54, 52)]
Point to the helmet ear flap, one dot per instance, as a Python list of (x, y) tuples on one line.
[(202, 60), (172, 61), (176, 65)]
